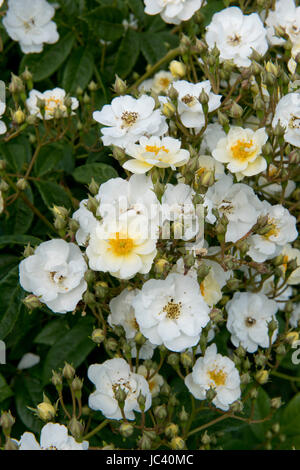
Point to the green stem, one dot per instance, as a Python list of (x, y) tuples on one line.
[(97, 429), (285, 376), (211, 423)]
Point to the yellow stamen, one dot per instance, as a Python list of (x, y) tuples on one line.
[(218, 376), (172, 310), (164, 82), (155, 149), (242, 150), (121, 246)]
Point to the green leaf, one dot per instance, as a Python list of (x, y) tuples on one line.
[(155, 46), (128, 53), (53, 194), (21, 215), (45, 64), (73, 347), (5, 390), (261, 411), (291, 417), (17, 153), (99, 171), (28, 392), (7, 262), (11, 296), (106, 22), (78, 70), (47, 159), (52, 332), (19, 240)]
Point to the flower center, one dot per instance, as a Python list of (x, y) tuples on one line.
[(29, 24), (234, 40), (164, 82), (121, 246), (56, 279), (218, 376), (173, 310), (189, 100), (242, 150), (129, 118), (52, 103), (294, 122), (273, 232), (250, 321), (154, 149)]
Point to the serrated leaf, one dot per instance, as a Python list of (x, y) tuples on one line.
[(48, 158), (21, 216), (53, 194), (106, 22), (52, 332), (78, 70), (45, 64), (11, 296), (128, 53), (19, 239), (28, 392), (5, 390), (17, 153), (99, 171), (73, 347)]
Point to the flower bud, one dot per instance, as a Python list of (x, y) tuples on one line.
[(3, 186), (101, 289), (16, 84), (160, 412), (56, 380), (68, 371), (92, 86), (141, 399), (98, 336), (32, 302), (46, 411), (75, 427), (203, 98), (119, 86), (145, 442), (126, 429), (262, 376), (276, 403), (93, 187), (171, 430), (161, 265), (89, 298), (183, 415), (77, 384), (19, 116), (177, 443), (173, 360), (168, 109), (21, 184), (6, 422), (177, 69), (111, 344), (236, 111), (186, 359), (139, 339)]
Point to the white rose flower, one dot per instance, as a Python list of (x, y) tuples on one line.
[(159, 83), (122, 313), (248, 317), (171, 311), (53, 437), (238, 202), (55, 274), (241, 150), (217, 372), (162, 152), (54, 100), (178, 207), (128, 119), (286, 16), (29, 23), (288, 114), (87, 222), (173, 11), (295, 317), (122, 248), (289, 253), (154, 380), (189, 107), (282, 230), (120, 199), (3, 127), (236, 35), (108, 378), (212, 134)]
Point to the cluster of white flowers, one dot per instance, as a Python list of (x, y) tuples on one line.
[(29, 23), (52, 102)]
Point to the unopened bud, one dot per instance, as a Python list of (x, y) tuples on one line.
[(98, 336), (46, 411), (126, 429), (68, 371), (32, 302), (22, 184), (19, 116), (262, 376), (177, 69), (171, 430), (119, 86), (75, 427), (177, 443)]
